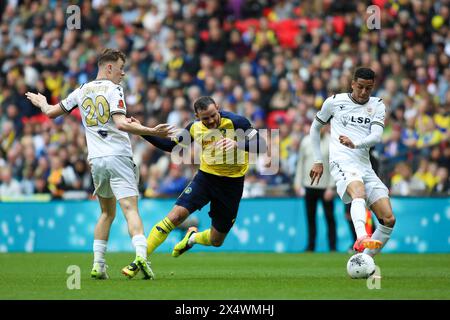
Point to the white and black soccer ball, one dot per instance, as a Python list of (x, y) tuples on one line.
[(360, 266)]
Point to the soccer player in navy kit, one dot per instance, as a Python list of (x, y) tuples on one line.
[(217, 182)]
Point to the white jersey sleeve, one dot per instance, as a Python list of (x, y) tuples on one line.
[(117, 101), (71, 102), (372, 139), (326, 112), (314, 133), (380, 114)]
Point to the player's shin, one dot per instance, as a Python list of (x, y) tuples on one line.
[(383, 234), (358, 213), (158, 234)]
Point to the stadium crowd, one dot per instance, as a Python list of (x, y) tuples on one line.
[(274, 62)]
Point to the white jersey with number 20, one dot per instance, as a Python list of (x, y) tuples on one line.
[(98, 100)]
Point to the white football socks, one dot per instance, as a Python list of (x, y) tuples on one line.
[(383, 234), (140, 244), (99, 248), (358, 213)]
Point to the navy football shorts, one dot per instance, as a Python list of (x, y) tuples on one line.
[(224, 193)]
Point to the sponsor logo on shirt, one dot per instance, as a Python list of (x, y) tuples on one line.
[(345, 119)]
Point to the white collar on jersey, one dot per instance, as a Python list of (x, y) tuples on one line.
[(353, 99)]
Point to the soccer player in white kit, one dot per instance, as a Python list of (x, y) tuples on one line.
[(115, 175), (357, 123)]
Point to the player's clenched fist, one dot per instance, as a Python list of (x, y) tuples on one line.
[(346, 142)]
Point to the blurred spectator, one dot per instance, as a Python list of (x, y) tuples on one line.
[(8, 135), (266, 91), (426, 172), (60, 178), (392, 93), (173, 184), (442, 182), (282, 99), (254, 186), (41, 186), (394, 149), (83, 180), (240, 48), (12, 113), (9, 187), (430, 136), (409, 134), (403, 183), (214, 43)]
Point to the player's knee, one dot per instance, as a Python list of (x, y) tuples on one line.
[(109, 216), (356, 190), (388, 221), (216, 242), (176, 219), (177, 215), (359, 195), (130, 211)]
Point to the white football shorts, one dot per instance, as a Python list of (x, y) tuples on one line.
[(115, 176), (344, 173)]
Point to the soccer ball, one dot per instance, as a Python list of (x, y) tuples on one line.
[(360, 266)]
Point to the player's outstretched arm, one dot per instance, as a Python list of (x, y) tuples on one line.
[(135, 127), (161, 143), (39, 100), (165, 144)]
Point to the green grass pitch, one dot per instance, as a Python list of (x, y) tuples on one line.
[(225, 276)]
